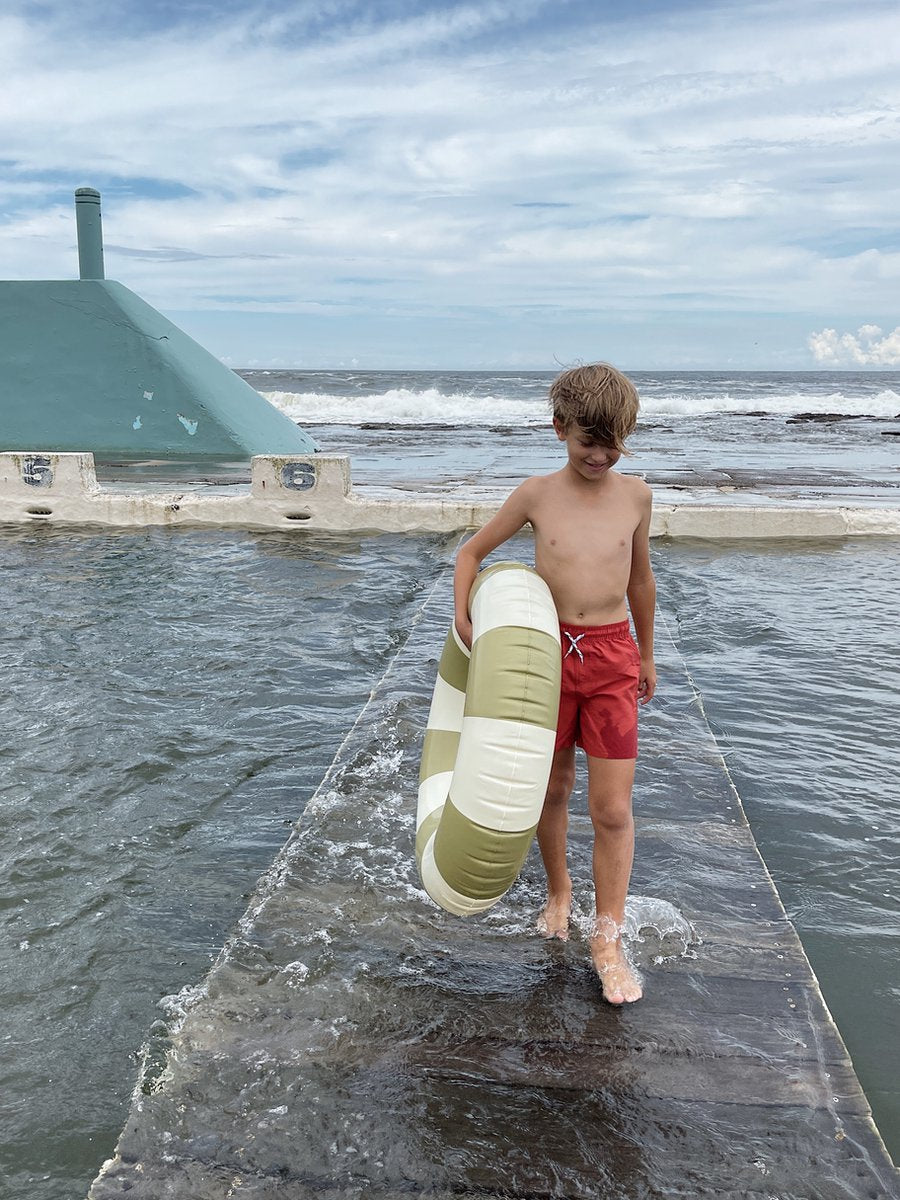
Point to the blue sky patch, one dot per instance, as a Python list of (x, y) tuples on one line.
[(514, 182)]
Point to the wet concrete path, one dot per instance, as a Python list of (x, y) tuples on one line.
[(353, 1041)]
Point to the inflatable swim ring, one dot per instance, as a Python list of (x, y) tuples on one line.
[(489, 742)]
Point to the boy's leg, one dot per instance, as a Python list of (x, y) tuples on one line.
[(551, 836), (610, 781)]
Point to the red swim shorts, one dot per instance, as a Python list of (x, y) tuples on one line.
[(598, 704)]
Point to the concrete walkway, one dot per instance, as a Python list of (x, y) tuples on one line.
[(354, 1041)]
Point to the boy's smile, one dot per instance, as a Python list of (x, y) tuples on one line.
[(588, 458)]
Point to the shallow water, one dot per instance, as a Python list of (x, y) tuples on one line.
[(353, 1039), (794, 647), (170, 702)]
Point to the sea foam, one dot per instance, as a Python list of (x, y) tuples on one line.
[(430, 406), (408, 406)]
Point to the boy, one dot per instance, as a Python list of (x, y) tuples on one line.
[(591, 532)]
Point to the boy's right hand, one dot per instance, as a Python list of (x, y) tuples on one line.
[(464, 629)]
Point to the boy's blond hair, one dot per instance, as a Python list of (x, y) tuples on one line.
[(599, 399)]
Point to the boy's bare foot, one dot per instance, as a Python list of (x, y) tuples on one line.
[(617, 979), (553, 921)]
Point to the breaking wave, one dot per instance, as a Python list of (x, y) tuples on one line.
[(430, 406)]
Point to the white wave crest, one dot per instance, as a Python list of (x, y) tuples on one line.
[(409, 406), (430, 406), (691, 404)]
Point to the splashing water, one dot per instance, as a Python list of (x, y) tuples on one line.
[(653, 923), (653, 929)]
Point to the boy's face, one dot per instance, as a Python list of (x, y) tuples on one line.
[(589, 459)]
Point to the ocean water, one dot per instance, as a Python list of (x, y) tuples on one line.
[(737, 436), (173, 698), (514, 399), (170, 702)]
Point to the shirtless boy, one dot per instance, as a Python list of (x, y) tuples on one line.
[(591, 530)]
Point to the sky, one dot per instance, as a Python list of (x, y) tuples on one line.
[(665, 184)]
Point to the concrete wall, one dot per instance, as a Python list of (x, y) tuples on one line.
[(86, 365), (314, 492)]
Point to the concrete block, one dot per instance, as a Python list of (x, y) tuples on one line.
[(301, 487), (726, 522), (37, 486)]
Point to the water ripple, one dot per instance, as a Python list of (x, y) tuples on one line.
[(794, 647), (171, 700)]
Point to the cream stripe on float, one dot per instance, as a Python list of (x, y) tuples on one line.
[(433, 793), (498, 780), (447, 705), (505, 748), (510, 604)]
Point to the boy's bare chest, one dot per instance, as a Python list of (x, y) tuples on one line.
[(597, 531)]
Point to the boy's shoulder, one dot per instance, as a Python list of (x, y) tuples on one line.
[(541, 482), (557, 486), (535, 485), (637, 486)]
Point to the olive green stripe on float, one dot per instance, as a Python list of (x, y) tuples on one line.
[(517, 677), (438, 752), (424, 832), (477, 862), (454, 664)]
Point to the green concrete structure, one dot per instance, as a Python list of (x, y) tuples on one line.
[(86, 365)]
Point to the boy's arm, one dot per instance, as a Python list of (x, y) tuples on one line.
[(513, 514), (642, 599)]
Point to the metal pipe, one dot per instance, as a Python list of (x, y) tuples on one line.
[(90, 234)]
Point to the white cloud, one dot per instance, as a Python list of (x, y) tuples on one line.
[(410, 156), (865, 348)]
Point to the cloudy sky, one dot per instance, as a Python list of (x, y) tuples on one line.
[(501, 183)]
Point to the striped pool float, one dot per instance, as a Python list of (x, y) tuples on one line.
[(489, 742)]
